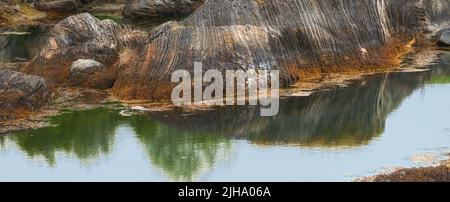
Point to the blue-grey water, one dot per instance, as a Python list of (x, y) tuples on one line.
[(379, 123)]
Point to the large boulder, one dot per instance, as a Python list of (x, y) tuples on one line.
[(22, 90), (80, 36), (301, 38), (444, 38), (157, 8)]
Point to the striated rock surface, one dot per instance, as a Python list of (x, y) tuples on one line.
[(22, 90), (157, 8), (444, 38), (301, 38)]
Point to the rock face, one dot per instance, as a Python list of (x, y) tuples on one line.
[(80, 36), (301, 38), (157, 8), (296, 37), (60, 5), (87, 72), (444, 38), (22, 90)]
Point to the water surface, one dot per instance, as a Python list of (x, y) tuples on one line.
[(380, 122)]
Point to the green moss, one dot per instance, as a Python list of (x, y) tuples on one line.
[(115, 18)]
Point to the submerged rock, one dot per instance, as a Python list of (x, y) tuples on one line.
[(22, 90), (444, 38), (156, 8)]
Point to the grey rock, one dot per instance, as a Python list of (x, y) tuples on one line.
[(83, 69), (81, 36), (60, 5), (22, 90), (444, 38), (157, 8), (86, 66)]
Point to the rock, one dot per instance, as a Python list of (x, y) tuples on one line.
[(157, 8), (80, 36), (300, 38), (60, 5), (88, 72), (444, 38), (22, 90), (83, 66)]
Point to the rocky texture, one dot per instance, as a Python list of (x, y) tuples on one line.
[(439, 173), (444, 38), (13, 13), (157, 8), (60, 5), (18, 90), (80, 36), (300, 38), (87, 72)]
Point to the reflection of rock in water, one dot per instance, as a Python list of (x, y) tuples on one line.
[(85, 134), (340, 117), (21, 43), (182, 156)]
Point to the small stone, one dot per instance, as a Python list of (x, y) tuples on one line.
[(86, 66)]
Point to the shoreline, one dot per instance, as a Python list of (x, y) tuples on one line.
[(84, 98), (432, 173)]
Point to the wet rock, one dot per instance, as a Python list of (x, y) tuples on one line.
[(22, 90), (444, 38), (60, 5), (87, 72), (157, 8)]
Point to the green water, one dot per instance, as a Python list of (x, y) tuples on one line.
[(333, 135)]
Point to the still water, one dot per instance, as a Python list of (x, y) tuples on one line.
[(383, 121)]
